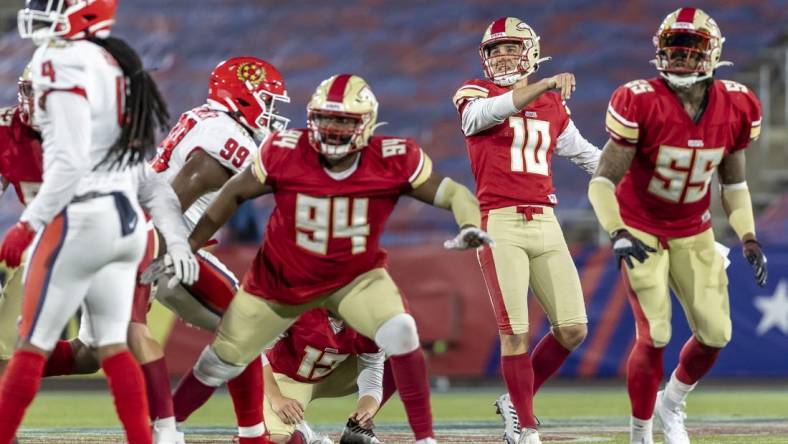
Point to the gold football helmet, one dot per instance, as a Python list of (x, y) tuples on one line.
[(689, 46), (341, 115), (510, 29)]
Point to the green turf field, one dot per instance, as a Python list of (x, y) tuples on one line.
[(576, 415)]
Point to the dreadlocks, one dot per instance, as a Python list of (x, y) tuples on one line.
[(144, 108)]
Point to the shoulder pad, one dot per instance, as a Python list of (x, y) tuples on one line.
[(471, 89)]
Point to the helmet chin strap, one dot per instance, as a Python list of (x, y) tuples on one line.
[(683, 81)]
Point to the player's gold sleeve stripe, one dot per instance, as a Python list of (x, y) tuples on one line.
[(259, 169), (617, 128), (468, 93), (423, 171), (755, 130)]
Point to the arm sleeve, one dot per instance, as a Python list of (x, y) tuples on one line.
[(572, 145), (370, 375), (66, 141), (482, 113), (159, 199)]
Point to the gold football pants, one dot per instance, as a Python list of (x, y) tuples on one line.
[(10, 309), (530, 251), (251, 322), (693, 268)]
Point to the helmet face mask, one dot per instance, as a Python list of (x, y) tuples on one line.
[(335, 132), (25, 96)]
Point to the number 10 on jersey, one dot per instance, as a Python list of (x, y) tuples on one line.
[(316, 217), (530, 143)]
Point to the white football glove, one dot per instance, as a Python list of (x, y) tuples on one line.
[(469, 237), (179, 263)]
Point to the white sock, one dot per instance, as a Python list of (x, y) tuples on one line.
[(427, 441), (252, 431), (165, 423), (676, 392), (639, 429)]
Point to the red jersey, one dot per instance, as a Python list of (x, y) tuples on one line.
[(666, 189), (325, 228), (315, 345), (21, 157), (512, 161)]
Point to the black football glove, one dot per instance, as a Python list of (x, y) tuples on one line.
[(626, 246), (754, 254)]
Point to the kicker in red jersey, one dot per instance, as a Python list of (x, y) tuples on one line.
[(523, 174), (666, 190), (315, 345), (21, 157), (326, 227)]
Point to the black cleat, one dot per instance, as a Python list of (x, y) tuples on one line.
[(355, 434)]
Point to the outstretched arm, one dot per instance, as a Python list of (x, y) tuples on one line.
[(483, 113), (242, 187), (442, 192), (737, 203)]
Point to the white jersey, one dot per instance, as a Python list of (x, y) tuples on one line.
[(214, 132), (79, 97)]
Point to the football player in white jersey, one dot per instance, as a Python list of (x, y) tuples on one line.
[(207, 146), (97, 109)]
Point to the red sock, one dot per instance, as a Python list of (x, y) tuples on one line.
[(644, 373), (157, 383), (695, 361), (547, 358), (20, 385), (128, 389), (410, 374), (189, 396), (518, 373), (246, 391), (61, 360), (389, 386), (297, 438)]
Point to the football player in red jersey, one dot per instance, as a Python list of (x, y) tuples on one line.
[(21, 166), (320, 357), (668, 135), (335, 185), (512, 129)]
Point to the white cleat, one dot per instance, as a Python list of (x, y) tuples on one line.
[(511, 424), (310, 436), (672, 420), (529, 436), (167, 436)]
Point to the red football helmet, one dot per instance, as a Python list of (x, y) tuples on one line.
[(69, 19), (249, 88)]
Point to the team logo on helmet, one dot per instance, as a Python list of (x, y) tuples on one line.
[(252, 73)]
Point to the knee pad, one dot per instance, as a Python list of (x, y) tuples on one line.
[(212, 371), (398, 335)]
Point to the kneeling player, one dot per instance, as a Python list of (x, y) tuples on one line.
[(319, 357)]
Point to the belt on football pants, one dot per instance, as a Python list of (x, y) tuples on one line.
[(528, 212), (126, 212)]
